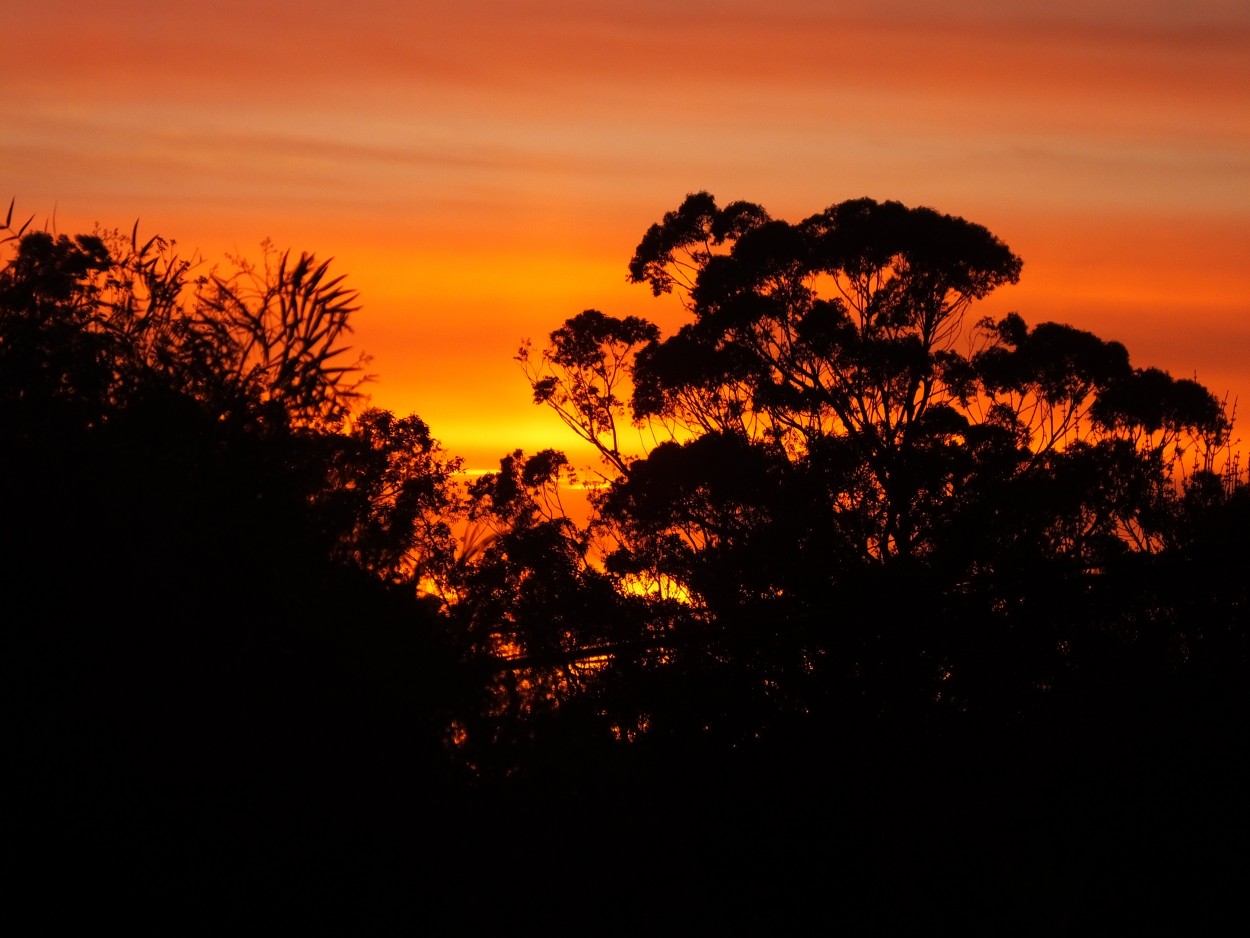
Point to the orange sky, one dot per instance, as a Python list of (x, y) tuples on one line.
[(482, 170)]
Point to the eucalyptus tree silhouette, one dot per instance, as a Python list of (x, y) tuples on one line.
[(924, 571), (853, 462)]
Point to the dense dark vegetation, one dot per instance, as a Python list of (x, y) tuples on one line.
[(902, 617)]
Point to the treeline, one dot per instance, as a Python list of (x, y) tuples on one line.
[(884, 565)]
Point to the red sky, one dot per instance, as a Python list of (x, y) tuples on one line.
[(483, 170)]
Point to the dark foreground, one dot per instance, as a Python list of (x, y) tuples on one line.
[(212, 794)]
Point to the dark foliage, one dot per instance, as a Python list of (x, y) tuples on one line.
[(216, 661), (890, 525), (906, 622)]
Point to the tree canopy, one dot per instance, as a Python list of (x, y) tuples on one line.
[(856, 470), (888, 568)]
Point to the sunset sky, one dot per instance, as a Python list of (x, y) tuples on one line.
[(483, 170)]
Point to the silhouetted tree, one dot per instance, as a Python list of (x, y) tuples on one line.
[(212, 559), (854, 474), (538, 617), (277, 333), (103, 337)]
